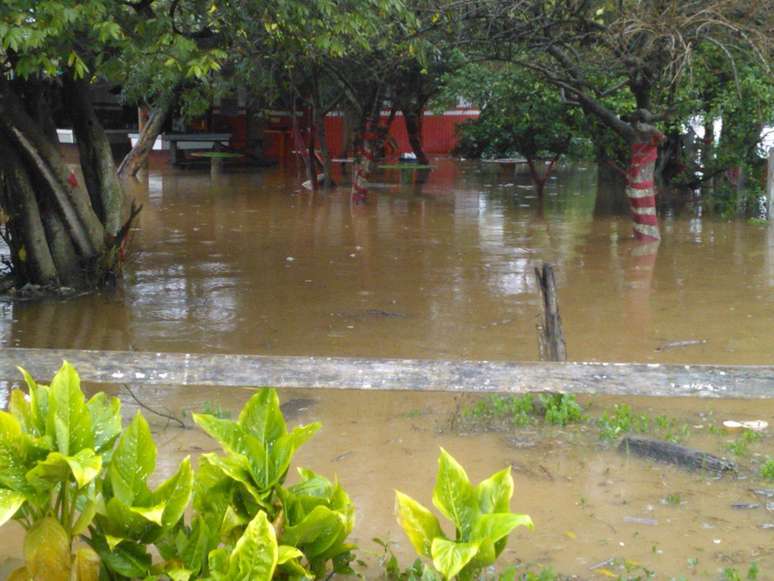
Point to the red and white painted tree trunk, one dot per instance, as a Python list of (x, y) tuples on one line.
[(363, 166), (640, 189)]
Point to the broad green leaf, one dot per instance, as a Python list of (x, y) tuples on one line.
[(262, 416), (499, 525), (133, 461), (193, 551), (318, 532), (10, 502), (85, 466), (86, 564), (21, 409), (128, 558), (289, 563), (150, 513), (235, 467), (494, 494), (285, 447), (232, 520), (420, 525), (18, 454), (105, 420), (85, 518), (68, 421), (450, 557), (47, 551), (287, 553), (175, 492), (127, 522), (256, 553), (453, 494), (38, 401), (227, 433), (213, 492)]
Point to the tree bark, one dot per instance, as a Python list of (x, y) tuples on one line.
[(413, 120), (640, 189), (540, 179), (96, 158), (30, 255), (319, 123), (362, 166), (136, 159), (42, 157)]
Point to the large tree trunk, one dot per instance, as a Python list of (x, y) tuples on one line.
[(137, 158), (60, 233), (30, 254), (413, 120), (44, 159), (97, 165), (640, 189), (363, 161)]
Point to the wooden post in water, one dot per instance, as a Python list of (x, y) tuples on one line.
[(770, 184), (550, 335)]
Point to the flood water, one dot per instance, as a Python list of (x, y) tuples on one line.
[(249, 263)]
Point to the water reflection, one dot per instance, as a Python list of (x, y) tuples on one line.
[(437, 264)]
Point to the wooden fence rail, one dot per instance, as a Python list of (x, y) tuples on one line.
[(181, 369)]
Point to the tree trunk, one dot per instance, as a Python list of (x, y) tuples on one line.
[(96, 157), (43, 158), (640, 189), (136, 159), (363, 161), (413, 120), (30, 255), (540, 179)]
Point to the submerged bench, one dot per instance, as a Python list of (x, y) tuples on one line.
[(625, 379)]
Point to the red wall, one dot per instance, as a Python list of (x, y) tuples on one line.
[(438, 134)]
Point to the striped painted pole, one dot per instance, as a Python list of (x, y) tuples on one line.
[(364, 159), (640, 189)]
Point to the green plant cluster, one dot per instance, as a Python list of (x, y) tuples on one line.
[(78, 482), (741, 446), (623, 420), (480, 516), (555, 409)]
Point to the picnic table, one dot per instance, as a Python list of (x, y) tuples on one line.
[(216, 158), (193, 142)]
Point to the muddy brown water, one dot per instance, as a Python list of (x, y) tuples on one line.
[(249, 263)]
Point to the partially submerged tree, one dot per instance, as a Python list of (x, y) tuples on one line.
[(593, 50), (63, 229), (520, 115)]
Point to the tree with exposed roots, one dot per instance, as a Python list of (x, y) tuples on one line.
[(67, 227)]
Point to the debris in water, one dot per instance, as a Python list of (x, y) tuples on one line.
[(637, 520), (679, 344), (765, 492), (745, 506), (674, 454), (754, 425), (767, 525)]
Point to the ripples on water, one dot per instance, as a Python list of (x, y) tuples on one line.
[(251, 264)]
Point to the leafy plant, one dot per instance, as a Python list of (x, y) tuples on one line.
[(480, 516), (130, 516), (312, 519), (561, 409), (622, 421), (79, 486), (741, 446), (767, 469), (53, 447)]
